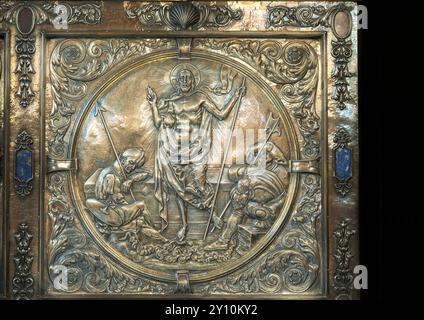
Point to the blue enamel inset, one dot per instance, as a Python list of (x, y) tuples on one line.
[(24, 165), (343, 163)]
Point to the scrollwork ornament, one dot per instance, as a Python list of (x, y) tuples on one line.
[(184, 15), (24, 141), (23, 281), (304, 16), (314, 16), (343, 275), (87, 268), (86, 13), (25, 49), (342, 52), (293, 67), (93, 58), (300, 16)]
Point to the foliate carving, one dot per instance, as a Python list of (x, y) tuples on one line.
[(314, 16), (294, 263), (342, 161), (25, 49), (219, 16), (285, 65), (23, 281), (184, 15), (300, 16), (24, 141), (9, 9), (23, 164), (86, 13), (303, 15), (301, 251), (294, 68), (342, 52), (69, 83), (343, 275), (87, 268)]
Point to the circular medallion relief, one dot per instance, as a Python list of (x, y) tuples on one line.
[(160, 186)]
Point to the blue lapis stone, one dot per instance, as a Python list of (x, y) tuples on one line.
[(343, 163), (23, 171)]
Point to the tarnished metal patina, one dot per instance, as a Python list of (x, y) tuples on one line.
[(198, 149)]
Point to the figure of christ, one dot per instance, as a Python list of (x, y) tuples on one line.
[(184, 123)]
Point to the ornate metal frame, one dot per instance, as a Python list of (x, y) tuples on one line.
[(4, 150), (321, 232)]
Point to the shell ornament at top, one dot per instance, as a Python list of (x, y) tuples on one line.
[(183, 16)]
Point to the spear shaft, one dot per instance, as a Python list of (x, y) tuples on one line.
[(266, 141), (253, 163), (102, 118), (221, 172)]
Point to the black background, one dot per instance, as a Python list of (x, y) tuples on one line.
[(391, 142), (371, 121)]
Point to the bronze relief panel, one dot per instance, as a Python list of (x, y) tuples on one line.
[(183, 164)]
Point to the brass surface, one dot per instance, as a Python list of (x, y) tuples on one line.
[(115, 97)]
